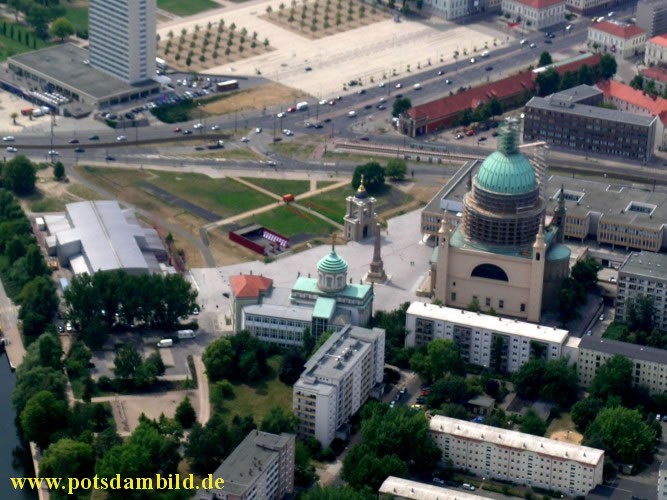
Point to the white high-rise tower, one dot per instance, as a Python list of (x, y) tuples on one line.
[(122, 38)]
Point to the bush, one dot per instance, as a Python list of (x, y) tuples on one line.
[(105, 384)]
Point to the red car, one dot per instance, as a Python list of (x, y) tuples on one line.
[(291, 109), (177, 130), (425, 392)]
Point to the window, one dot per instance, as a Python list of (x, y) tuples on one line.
[(523, 307), (453, 296), (501, 304)]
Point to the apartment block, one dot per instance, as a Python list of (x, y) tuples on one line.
[(652, 16), (261, 467), (493, 342), (337, 380), (535, 14), (643, 274), (650, 363), (122, 35), (397, 488), (520, 458), (662, 481)]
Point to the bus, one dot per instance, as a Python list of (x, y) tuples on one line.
[(227, 85), (161, 64)]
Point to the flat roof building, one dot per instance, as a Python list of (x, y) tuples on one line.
[(261, 467), (336, 382), (643, 274), (478, 336), (97, 236), (397, 488), (652, 16), (521, 458)]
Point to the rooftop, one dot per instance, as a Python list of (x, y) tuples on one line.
[(293, 312), (655, 73), (620, 30), (655, 105), (632, 351), (612, 115), (332, 263), (649, 264), (540, 4), (65, 63), (249, 286), (309, 285), (659, 40), (580, 92), (517, 440), (488, 322), (245, 463), (324, 307), (404, 488)]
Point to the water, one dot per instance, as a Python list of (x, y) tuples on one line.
[(12, 457)]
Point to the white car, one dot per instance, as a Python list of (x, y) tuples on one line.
[(398, 85), (281, 115), (53, 152), (611, 14), (258, 130), (568, 27), (417, 86), (352, 114), (215, 127), (533, 45), (121, 138), (323, 102), (244, 139), (288, 132), (197, 126), (472, 60), (69, 327), (382, 84), (11, 149), (9, 138)]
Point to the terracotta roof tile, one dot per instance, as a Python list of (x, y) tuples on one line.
[(621, 31), (540, 4), (246, 286), (657, 106), (655, 73), (659, 40)]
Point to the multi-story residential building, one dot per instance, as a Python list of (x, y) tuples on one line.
[(657, 75), (337, 380), (513, 456), (656, 51), (650, 364), (397, 488), (535, 14), (662, 481), (261, 467), (586, 6), (652, 16), (562, 122), (122, 35), (493, 342), (643, 274), (626, 40)]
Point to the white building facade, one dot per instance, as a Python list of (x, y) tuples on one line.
[(122, 36), (643, 274), (624, 40), (662, 481), (490, 341), (337, 380), (656, 51), (535, 14), (397, 488), (521, 458)]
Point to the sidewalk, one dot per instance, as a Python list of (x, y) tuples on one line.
[(9, 324)]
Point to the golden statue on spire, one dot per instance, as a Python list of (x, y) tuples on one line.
[(362, 188)]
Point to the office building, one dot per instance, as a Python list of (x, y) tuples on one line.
[(520, 458), (97, 236), (652, 16), (336, 382), (563, 122), (500, 344), (261, 467), (625, 40), (643, 274), (122, 36), (650, 363), (588, 6), (656, 51), (662, 481), (535, 14), (397, 488)]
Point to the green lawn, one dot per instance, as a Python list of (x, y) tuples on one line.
[(323, 184), (225, 197), (290, 221), (16, 39), (257, 399), (186, 7), (280, 186), (78, 16), (330, 204)]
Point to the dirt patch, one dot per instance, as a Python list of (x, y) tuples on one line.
[(258, 98), (567, 436), (318, 19)]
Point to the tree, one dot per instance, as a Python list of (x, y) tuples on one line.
[(436, 359), (43, 416), (552, 380), (59, 171), (396, 169), (14, 116), (291, 367), (185, 413), (50, 352), (279, 420), (637, 82), (67, 459), (373, 176), (613, 378), (62, 28), (607, 66), (37, 298), (622, 433), (585, 75), (584, 412), (449, 389), (364, 467), (641, 313), (241, 357), (400, 106), (585, 273), (545, 59), (127, 361), (547, 82), (19, 175), (569, 80), (533, 424), (31, 380)]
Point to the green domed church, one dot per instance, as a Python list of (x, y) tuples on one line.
[(498, 252)]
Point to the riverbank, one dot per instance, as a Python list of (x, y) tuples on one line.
[(9, 325)]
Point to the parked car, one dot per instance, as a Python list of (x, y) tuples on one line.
[(79, 150), (73, 141), (533, 45), (281, 115), (187, 132), (437, 480), (468, 487), (9, 138), (11, 149), (601, 317), (94, 138), (121, 138)]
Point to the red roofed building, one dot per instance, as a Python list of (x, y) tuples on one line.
[(511, 91), (658, 75), (247, 289), (656, 51), (626, 40), (536, 14)]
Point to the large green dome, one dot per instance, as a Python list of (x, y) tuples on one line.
[(507, 173), (332, 264)]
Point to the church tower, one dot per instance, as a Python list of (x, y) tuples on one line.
[(559, 216), (537, 276), (440, 275), (360, 216)]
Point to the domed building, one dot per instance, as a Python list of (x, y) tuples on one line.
[(500, 253)]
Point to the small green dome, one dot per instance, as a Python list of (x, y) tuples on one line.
[(332, 264), (507, 173)]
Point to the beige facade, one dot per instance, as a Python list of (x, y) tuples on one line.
[(521, 458), (626, 41), (643, 275), (397, 488), (535, 14), (586, 6), (656, 51), (360, 217)]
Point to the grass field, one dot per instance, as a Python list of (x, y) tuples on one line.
[(186, 8), (280, 186), (13, 39), (294, 149), (78, 16), (290, 221), (330, 204), (257, 399)]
